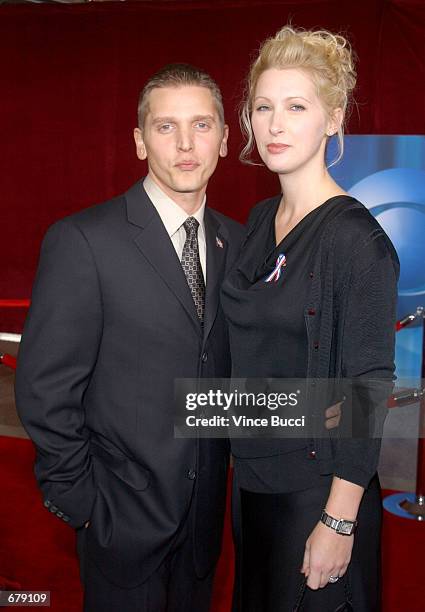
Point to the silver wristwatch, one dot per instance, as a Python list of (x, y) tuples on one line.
[(341, 526)]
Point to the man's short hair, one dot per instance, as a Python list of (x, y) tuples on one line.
[(178, 75)]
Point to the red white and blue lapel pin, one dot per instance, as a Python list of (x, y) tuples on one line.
[(219, 243), (275, 275)]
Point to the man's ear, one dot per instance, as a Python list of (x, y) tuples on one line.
[(334, 122), (223, 144), (140, 145)]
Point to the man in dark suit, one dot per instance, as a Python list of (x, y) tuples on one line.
[(126, 300)]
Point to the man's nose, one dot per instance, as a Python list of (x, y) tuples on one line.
[(184, 140)]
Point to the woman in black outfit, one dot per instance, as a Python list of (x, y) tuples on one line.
[(329, 313)]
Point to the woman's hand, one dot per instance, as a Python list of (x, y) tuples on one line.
[(327, 553)]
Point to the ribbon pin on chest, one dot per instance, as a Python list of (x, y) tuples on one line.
[(275, 275)]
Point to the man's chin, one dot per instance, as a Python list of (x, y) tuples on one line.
[(189, 190), (188, 186)]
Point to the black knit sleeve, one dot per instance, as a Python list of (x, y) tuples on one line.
[(369, 300)]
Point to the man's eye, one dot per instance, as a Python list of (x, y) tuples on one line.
[(165, 127), (297, 107), (201, 125)]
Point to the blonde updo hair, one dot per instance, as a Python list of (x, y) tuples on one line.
[(327, 58)]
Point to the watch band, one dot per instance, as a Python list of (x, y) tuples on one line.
[(341, 526)]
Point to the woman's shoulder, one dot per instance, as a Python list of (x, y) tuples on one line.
[(356, 213), (355, 234), (354, 223)]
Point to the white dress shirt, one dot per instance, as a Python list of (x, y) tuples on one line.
[(173, 217)]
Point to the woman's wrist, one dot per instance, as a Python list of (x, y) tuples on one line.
[(344, 499)]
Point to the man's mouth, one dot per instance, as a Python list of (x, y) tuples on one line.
[(187, 165)]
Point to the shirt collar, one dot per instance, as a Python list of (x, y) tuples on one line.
[(172, 215)]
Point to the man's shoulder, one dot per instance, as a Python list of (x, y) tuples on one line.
[(109, 211), (94, 220)]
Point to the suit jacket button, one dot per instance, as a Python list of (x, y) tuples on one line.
[(204, 357), (191, 474), (312, 454)]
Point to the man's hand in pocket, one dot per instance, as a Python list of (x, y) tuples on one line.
[(333, 416)]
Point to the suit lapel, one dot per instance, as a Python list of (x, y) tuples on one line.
[(155, 245), (216, 256)]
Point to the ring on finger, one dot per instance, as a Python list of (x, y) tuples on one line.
[(333, 579)]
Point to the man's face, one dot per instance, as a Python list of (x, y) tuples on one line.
[(182, 138)]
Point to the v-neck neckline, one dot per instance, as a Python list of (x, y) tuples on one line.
[(279, 244)]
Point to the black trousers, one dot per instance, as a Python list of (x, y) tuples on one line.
[(272, 536), (173, 587)]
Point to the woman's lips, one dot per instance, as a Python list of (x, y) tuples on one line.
[(276, 148)]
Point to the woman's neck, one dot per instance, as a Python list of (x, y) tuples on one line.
[(303, 191)]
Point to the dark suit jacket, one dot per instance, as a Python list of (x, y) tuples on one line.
[(112, 324)]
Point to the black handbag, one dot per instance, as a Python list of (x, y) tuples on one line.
[(346, 606)]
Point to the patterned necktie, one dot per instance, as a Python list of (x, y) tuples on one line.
[(192, 266)]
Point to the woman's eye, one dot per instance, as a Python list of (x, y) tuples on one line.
[(297, 107), (262, 108)]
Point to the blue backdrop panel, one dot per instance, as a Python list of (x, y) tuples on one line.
[(387, 174)]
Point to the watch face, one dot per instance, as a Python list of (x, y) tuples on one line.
[(345, 528)]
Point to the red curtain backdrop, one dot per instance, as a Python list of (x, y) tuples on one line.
[(71, 75)]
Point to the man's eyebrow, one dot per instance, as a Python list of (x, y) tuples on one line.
[(164, 120), (158, 120), (204, 118)]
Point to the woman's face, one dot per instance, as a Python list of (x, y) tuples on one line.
[(289, 121)]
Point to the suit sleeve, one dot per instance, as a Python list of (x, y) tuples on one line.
[(368, 357), (56, 358)]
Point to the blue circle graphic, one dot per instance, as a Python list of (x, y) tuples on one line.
[(396, 197)]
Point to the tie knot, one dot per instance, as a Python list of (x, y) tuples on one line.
[(191, 225)]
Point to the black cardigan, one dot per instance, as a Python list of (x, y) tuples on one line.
[(350, 320)]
